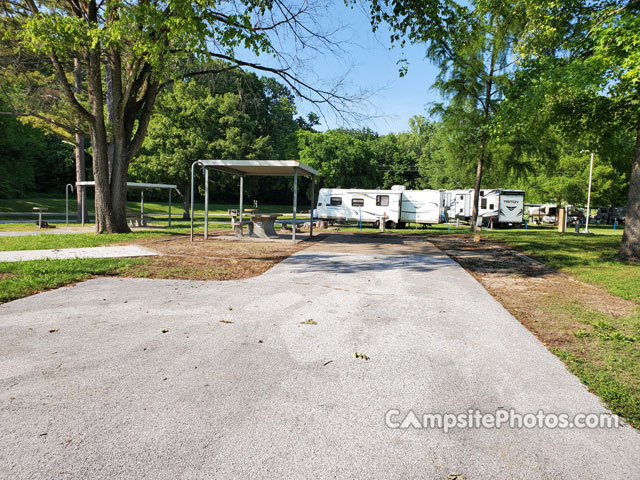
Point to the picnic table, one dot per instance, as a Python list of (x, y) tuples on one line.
[(260, 225), (263, 224), (40, 210)]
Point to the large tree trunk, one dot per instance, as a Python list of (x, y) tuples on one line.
[(81, 176), (476, 192), (81, 170), (630, 246)]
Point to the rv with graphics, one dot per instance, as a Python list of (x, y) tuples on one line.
[(396, 206), (498, 206)]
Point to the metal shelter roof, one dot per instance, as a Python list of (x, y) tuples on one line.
[(279, 168), (129, 185)]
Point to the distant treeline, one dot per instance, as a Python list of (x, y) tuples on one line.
[(238, 115)]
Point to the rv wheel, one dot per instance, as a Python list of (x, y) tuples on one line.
[(391, 224), (376, 224)]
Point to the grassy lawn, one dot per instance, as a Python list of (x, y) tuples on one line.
[(603, 350), (57, 205), (20, 279), (590, 258), (78, 240)]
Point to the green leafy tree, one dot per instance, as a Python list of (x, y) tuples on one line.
[(30, 160), (128, 52), (343, 158), (472, 47), (191, 124), (585, 57)]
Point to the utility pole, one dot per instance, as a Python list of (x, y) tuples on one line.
[(586, 228)]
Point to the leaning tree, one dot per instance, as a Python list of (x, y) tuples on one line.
[(127, 52)]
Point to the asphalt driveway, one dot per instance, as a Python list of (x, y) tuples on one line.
[(135, 378)]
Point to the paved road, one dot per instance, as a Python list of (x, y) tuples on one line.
[(109, 395)]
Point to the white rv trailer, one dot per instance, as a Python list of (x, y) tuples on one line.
[(503, 206), (422, 206), (353, 204), (547, 213), (397, 205), (458, 203)]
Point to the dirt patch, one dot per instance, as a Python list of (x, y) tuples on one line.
[(6, 275), (218, 258)]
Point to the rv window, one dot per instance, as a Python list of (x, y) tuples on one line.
[(336, 201), (382, 200), (357, 202), (483, 203), (491, 206)]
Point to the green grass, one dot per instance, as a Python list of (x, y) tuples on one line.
[(20, 279), (71, 240), (78, 240), (590, 258), (18, 227), (57, 205)]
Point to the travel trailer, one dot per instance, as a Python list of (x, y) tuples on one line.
[(422, 206), (505, 207), (539, 214), (397, 205), (458, 204), (500, 206)]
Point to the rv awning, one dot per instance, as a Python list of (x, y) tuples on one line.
[(277, 168)]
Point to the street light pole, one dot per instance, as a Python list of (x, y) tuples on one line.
[(586, 228)]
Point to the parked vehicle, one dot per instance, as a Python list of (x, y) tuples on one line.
[(396, 206), (423, 207), (539, 214), (498, 206), (458, 204), (607, 215), (369, 206), (574, 215)]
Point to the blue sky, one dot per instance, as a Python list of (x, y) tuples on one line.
[(367, 63), (372, 66)]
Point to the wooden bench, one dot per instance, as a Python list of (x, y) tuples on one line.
[(136, 219)]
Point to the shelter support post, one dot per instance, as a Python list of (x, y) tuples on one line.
[(193, 166), (206, 203), (295, 203), (170, 191), (141, 207), (66, 194), (241, 196), (313, 204), (83, 197)]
